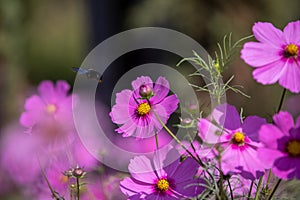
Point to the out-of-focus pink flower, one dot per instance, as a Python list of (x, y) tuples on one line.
[(19, 156), (136, 114), (48, 115), (281, 150), (276, 55), (238, 140)]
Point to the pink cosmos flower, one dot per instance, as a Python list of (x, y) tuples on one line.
[(281, 150), (175, 181), (276, 55), (136, 114), (48, 116), (238, 141)]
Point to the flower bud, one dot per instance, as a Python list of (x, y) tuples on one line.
[(145, 91), (78, 172)]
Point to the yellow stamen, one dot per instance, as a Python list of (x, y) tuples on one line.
[(238, 138), (291, 50), (51, 108), (143, 109), (162, 185), (293, 148)]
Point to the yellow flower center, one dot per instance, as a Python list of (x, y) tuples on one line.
[(293, 148), (162, 185), (51, 108), (291, 50), (143, 109), (238, 138)]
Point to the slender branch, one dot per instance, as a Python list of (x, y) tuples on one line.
[(275, 188), (250, 191), (281, 100), (78, 188)]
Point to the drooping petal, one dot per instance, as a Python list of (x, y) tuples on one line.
[(265, 32), (258, 54), (270, 73), (284, 121), (227, 116), (291, 76), (291, 32), (251, 126), (298, 122), (160, 90)]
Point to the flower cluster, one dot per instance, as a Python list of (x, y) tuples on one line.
[(223, 155)]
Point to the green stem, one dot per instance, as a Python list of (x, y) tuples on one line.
[(281, 100), (176, 139), (275, 188), (230, 189), (78, 189), (258, 188), (250, 191), (156, 140)]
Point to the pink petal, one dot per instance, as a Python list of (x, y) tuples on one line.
[(141, 169), (265, 32), (160, 90), (268, 156), (207, 131), (170, 104), (34, 103), (185, 170), (128, 129), (269, 134), (130, 188), (119, 114), (136, 84), (251, 126), (227, 116), (259, 54), (46, 91), (290, 79), (62, 88), (291, 32), (270, 73), (284, 121)]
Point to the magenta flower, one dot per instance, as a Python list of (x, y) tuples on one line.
[(276, 55), (48, 116), (175, 181), (136, 114), (237, 140), (281, 150)]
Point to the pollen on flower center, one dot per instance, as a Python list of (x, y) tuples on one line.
[(143, 109), (293, 148), (238, 138), (291, 50), (162, 185), (51, 108)]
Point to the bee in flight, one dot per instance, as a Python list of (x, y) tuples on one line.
[(90, 73)]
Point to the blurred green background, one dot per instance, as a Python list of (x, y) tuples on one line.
[(43, 39)]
